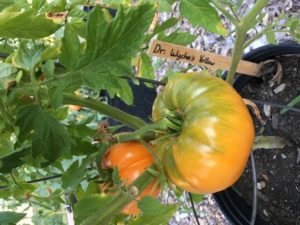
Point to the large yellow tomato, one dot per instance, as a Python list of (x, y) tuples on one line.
[(211, 150)]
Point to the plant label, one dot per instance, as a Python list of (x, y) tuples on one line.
[(192, 56)]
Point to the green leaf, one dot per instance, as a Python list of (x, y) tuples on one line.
[(116, 177), (201, 13), (5, 3), (92, 188), (6, 70), (22, 190), (38, 4), (48, 68), (26, 25), (51, 52), (9, 218), (154, 213), (292, 103), (87, 206), (111, 44), (165, 25), (50, 138), (179, 38), (13, 160), (60, 113), (6, 48), (197, 198), (56, 95), (6, 147), (295, 28), (164, 6), (78, 25), (70, 48), (73, 176), (82, 147), (146, 68), (57, 5), (270, 35), (28, 55)]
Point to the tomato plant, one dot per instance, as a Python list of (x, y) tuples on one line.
[(216, 135), (51, 49), (131, 159)]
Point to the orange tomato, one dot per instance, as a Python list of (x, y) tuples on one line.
[(132, 159), (210, 151), (74, 107)]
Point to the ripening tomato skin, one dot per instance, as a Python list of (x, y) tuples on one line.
[(216, 136), (74, 107), (132, 159)]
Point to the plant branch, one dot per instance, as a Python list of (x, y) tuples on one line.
[(70, 99), (148, 132), (241, 30), (36, 86), (236, 56), (225, 12), (132, 121)]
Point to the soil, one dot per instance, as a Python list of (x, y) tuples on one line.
[(278, 170)]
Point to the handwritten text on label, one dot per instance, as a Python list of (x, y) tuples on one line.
[(192, 56)]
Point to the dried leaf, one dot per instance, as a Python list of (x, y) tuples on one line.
[(255, 110)]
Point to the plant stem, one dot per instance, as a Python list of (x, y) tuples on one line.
[(236, 55), (147, 132), (115, 205), (36, 86), (241, 30), (132, 121), (114, 113)]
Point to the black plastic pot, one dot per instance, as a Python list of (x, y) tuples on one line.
[(234, 207)]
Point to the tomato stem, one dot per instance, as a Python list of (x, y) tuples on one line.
[(241, 30), (117, 114), (149, 131), (70, 99), (36, 86)]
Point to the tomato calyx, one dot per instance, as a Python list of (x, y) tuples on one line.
[(169, 125)]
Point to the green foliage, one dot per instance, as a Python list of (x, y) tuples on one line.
[(154, 213), (73, 176), (40, 137), (165, 25), (180, 38), (88, 205), (146, 68), (6, 70), (201, 13), (292, 103), (28, 55), (9, 218), (18, 24), (111, 43), (70, 50), (49, 139)]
